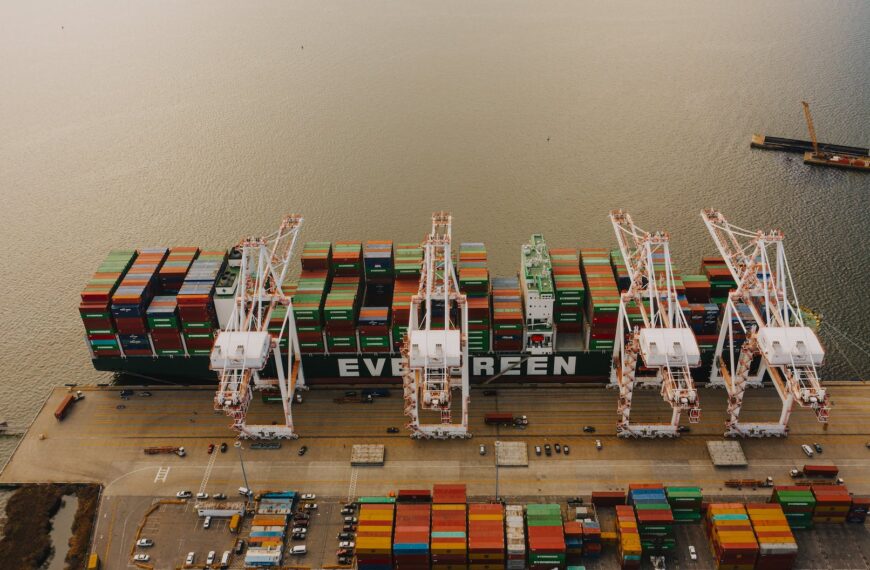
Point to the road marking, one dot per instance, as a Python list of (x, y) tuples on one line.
[(207, 473), (162, 473), (111, 528), (351, 488)]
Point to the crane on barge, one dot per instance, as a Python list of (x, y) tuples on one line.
[(241, 351), (762, 322), (663, 340), (435, 351)]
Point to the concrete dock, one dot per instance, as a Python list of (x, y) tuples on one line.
[(100, 441)]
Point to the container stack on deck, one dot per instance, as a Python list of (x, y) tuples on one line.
[(777, 547), (719, 276), (486, 537), (546, 536), (408, 264), (196, 302), (449, 544), (629, 550), (164, 325), (515, 538), (507, 315), (602, 298), (798, 504), (310, 296), (374, 550), (474, 282), (731, 537), (374, 316), (620, 271), (131, 298), (832, 503), (411, 536), (95, 308), (340, 313), (654, 517), (685, 503), (570, 293)]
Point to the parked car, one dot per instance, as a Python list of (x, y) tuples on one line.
[(566, 449), (350, 506), (299, 530), (191, 558), (298, 536), (202, 496), (817, 447), (347, 511), (683, 429), (346, 544), (308, 497), (141, 558), (184, 494), (598, 445), (210, 558), (299, 550), (303, 449), (692, 553), (349, 520), (348, 528), (240, 546), (344, 560), (537, 450), (350, 394), (145, 394), (206, 522), (245, 492), (558, 448), (808, 450), (482, 449), (588, 429), (301, 517), (210, 448), (345, 536), (548, 450), (126, 393), (392, 430), (224, 447), (144, 542), (310, 506), (489, 392), (219, 497), (575, 501)]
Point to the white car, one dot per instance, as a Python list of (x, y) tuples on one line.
[(184, 494), (350, 520), (144, 542), (211, 556), (202, 496), (598, 444), (206, 522), (245, 492), (310, 506), (482, 449), (308, 497), (346, 544), (808, 450), (299, 529), (692, 554), (141, 558), (298, 550), (191, 558)]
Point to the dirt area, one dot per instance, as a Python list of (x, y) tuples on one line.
[(26, 543)]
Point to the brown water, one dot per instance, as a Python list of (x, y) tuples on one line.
[(167, 123)]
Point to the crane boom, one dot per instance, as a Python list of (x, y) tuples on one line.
[(762, 322), (664, 341), (242, 350), (811, 127), (435, 350)]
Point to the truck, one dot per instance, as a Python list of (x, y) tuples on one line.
[(66, 404), (740, 483), (94, 562), (179, 451), (829, 471), (235, 523), (505, 419)]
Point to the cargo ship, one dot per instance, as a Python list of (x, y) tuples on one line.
[(155, 312)]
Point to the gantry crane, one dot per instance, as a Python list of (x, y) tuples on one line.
[(663, 341), (241, 351), (770, 326), (435, 351)]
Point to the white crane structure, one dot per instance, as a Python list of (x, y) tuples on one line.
[(241, 351), (664, 341), (435, 351), (789, 351)]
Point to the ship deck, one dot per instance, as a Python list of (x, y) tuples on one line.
[(98, 442)]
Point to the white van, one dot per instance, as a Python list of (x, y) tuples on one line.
[(225, 559), (807, 449), (299, 550), (245, 492)]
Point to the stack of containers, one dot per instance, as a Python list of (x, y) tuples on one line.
[(164, 325), (515, 538), (378, 261), (347, 258), (196, 302), (832, 503), (507, 315), (340, 313), (486, 537), (266, 542), (411, 537), (309, 294), (777, 548), (570, 294), (95, 307), (573, 542), (719, 276), (409, 261), (474, 282), (591, 538), (623, 279), (685, 503), (798, 504), (654, 517), (858, 510), (628, 550), (374, 318), (546, 536), (703, 318), (130, 301), (697, 288), (403, 289), (316, 256), (374, 537), (602, 298), (731, 537), (374, 329), (449, 536), (175, 268)]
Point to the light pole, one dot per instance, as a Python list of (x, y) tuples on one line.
[(496, 470), (238, 446)]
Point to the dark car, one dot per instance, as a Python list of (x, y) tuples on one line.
[(348, 528), (350, 394), (210, 448), (145, 394), (558, 448), (303, 449), (351, 506), (588, 429), (575, 501), (818, 447), (298, 536), (344, 560), (683, 429), (345, 536), (240, 546), (489, 392), (224, 447), (548, 450), (126, 393), (392, 430)]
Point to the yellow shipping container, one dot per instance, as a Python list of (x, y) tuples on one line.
[(485, 517), (608, 537), (448, 507), (376, 516)]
